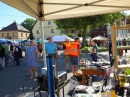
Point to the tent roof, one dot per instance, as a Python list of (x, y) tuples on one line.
[(59, 9), (61, 38), (99, 38)]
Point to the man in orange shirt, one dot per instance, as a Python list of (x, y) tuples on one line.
[(74, 54), (66, 46)]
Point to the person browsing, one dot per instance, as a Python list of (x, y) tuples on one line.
[(51, 47), (66, 46), (94, 51), (74, 54)]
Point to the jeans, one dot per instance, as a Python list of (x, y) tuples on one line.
[(17, 58), (94, 57)]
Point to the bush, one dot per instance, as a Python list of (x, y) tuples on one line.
[(71, 35)]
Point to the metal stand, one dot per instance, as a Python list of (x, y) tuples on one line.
[(44, 53), (50, 74), (58, 79)]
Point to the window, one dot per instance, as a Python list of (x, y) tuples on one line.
[(13, 34), (21, 34), (38, 31), (52, 30), (49, 22), (26, 35), (2, 34), (73, 31), (7, 34), (61, 32)]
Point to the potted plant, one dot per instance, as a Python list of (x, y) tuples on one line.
[(127, 73)]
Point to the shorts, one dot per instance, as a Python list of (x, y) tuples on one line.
[(67, 58), (74, 60), (6, 57)]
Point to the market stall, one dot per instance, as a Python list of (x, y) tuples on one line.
[(61, 38), (8, 41), (60, 9), (115, 80), (99, 38)]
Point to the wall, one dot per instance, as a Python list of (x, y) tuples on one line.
[(123, 31), (13, 35), (99, 32), (72, 31), (23, 36), (48, 32)]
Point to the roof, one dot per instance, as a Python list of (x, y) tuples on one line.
[(15, 26), (60, 9)]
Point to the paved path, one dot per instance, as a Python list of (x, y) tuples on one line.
[(13, 78)]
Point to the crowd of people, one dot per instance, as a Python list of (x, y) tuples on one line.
[(15, 52), (72, 52), (10, 52)]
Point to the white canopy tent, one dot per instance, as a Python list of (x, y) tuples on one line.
[(61, 38), (60, 9), (87, 39), (99, 38)]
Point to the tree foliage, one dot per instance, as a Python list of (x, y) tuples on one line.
[(88, 22), (28, 23)]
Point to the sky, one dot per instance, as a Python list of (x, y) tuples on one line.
[(8, 15)]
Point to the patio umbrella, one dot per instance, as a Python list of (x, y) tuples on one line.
[(99, 38), (24, 41), (61, 38)]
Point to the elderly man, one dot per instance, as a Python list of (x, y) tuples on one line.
[(51, 47), (51, 51), (66, 46)]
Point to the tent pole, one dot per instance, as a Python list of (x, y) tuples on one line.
[(44, 53)]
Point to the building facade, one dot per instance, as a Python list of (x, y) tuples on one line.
[(50, 30), (121, 32), (101, 31), (14, 31)]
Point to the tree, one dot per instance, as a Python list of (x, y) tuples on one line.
[(31, 37), (28, 23), (88, 22)]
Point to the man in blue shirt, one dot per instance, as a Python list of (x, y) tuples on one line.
[(51, 47)]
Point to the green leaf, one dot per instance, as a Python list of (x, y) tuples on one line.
[(85, 23)]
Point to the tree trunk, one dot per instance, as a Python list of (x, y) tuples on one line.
[(31, 36), (83, 44)]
